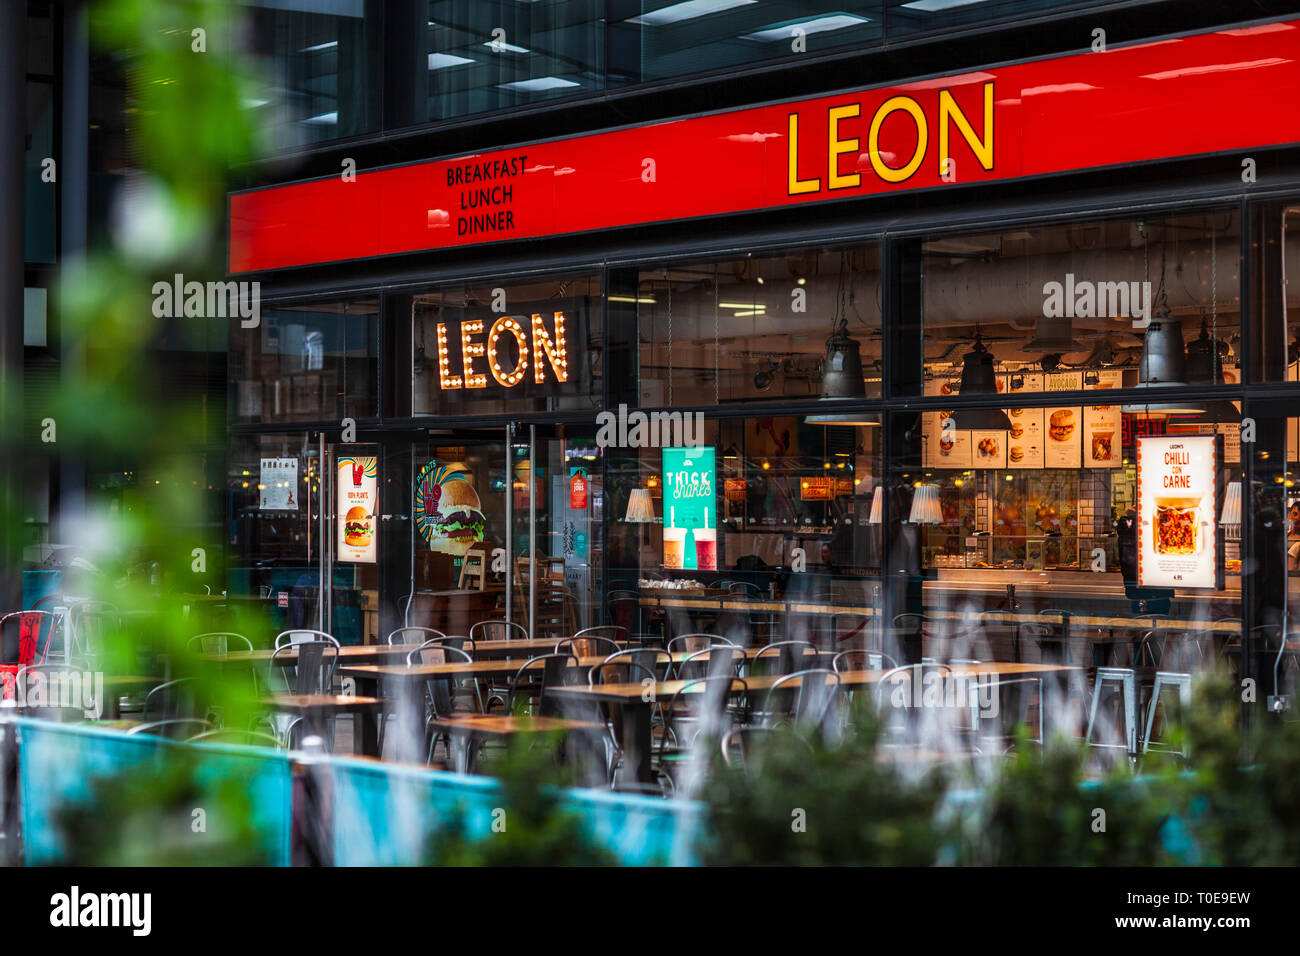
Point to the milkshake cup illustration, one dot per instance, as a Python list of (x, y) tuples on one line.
[(706, 547), (674, 542)]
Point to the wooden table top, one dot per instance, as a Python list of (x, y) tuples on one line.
[(663, 689), (487, 668), (504, 725), (343, 703), (801, 606), (346, 652)]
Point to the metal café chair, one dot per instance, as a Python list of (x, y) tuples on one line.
[(527, 694), (711, 714), (780, 657), (232, 735), (740, 744), (302, 635), (171, 700), (617, 669), (311, 673), (497, 630), (177, 728), (89, 624), (713, 661), (439, 697), (411, 634), (883, 691), (217, 643), (859, 660), (697, 642), (610, 632), (812, 695), (28, 642), (590, 645)]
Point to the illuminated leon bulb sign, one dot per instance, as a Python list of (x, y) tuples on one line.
[(546, 346)]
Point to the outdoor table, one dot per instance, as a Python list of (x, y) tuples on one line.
[(464, 728), (353, 653), (315, 709), (636, 703)]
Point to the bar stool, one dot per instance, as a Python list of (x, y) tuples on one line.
[(1166, 679), (1127, 680)]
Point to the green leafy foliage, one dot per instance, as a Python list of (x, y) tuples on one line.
[(531, 828)]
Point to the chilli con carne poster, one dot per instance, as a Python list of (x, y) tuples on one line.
[(357, 481), (1178, 509)]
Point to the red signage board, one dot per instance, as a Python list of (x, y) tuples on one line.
[(1227, 90)]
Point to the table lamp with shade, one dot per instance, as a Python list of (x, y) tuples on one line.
[(925, 505), (1230, 516), (640, 511), (877, 506)]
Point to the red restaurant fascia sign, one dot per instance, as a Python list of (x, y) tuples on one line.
[(1228, 90)]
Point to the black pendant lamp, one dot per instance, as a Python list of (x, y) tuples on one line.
[(1205, 367), (842, 369), (1163, 363), (978, 378)]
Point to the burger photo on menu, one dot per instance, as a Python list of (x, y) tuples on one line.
[(1061, 425), (357, 530), (458, 523)]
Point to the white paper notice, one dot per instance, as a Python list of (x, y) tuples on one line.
[(278, 484), (1177, 511)]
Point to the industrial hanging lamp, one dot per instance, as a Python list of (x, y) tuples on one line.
[(978, 378), (1164, 362), (1205, 355), (842, 367)]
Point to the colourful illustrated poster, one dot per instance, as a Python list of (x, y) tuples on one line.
[(358, 501), (1178, 509), (447, 509), (690, 509)]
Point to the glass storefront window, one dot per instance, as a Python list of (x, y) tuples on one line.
[(312, 362), (1079, 557), (484, 349), (756, 328), (1079, 306), (668, 38), (490, 56), (764, 531), (324, 62)]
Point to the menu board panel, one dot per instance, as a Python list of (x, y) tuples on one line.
[(1061, 450), (1178, 543), (944, 449), (1025, 440), (990, 448)]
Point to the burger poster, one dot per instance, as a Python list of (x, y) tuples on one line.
[(358, 501), (1061, 450), (1178, 511), (447, 509)]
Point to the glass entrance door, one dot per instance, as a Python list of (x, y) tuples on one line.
[(556, 485)]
